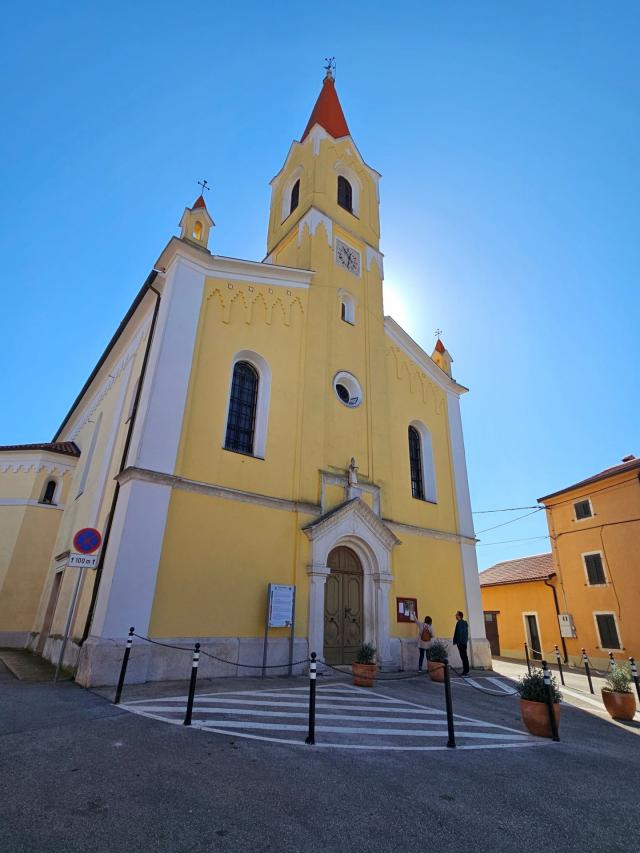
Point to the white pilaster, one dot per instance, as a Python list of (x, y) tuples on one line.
[(382, 586), (317, 580)]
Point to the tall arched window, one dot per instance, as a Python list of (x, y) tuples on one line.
[(241, 420), (295, 196), (49, 492), (415, 459), (345, 194)]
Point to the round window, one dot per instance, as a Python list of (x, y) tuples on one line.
[(347, 389)]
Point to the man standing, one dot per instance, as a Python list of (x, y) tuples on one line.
[(461, 639)]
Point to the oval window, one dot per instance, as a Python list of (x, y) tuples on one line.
[(347, 389)]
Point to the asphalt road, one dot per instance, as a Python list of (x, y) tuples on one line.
[(79, 774)]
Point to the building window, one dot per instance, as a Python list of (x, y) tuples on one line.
[(243, 401), (295, 196), (345, 194), (197, 231), (415, 459), (595, 569), (49, 492), (347, 309), (608, 631), (348, 389), (582, 510)]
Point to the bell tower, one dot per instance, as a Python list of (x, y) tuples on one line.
[(196, 224), (324, 182)]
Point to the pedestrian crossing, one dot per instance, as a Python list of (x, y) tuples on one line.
[(347, 717)]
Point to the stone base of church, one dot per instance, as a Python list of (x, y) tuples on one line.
[(14, 639), (479, 654), (100, 660)]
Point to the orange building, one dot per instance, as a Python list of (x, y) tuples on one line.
[(586, 593)]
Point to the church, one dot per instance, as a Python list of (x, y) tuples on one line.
[(252, 423)]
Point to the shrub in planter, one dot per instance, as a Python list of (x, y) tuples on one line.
[(533, 703), (616, 694), (436, 660), (364, 669)]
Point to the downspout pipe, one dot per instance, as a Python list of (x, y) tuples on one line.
[(123, 461), (555, 601)]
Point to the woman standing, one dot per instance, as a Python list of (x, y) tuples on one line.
[(426, 635)]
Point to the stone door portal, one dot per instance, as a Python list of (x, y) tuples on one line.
[(343, 607)]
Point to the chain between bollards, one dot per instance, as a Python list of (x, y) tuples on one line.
[(634, 675), (526, 654), (192, 684), (559, 660), (585, 661), (547, 689), (313, 666), (123, 668), (451, 743)]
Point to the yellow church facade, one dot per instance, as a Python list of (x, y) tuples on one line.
[(264, 422)]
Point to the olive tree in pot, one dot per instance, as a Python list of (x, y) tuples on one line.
[(437, 660), (364, 669), (533, 703), (616, 694)]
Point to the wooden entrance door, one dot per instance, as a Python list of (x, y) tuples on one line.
[(491, 630), (534, 636), (343, 607)]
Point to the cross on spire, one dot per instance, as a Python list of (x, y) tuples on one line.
[(330, 67), (438, 332), (204, 184)]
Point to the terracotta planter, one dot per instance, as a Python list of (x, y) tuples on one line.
[(364, 674), (621, 706), (535, 716), (435, 668)]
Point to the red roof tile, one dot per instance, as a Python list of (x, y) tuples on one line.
[(199, 203), (629, 465), (327, 112), (68, 448), (536, 568), (439, 346)]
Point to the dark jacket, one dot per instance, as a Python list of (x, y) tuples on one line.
[(461, 634)]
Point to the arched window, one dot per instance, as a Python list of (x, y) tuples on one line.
[(295, 196), (415, 459), (49, 492), (423, 476), (345, 194), (241, 420), (347, 308), (197, 231)]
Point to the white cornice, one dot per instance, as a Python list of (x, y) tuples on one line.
[(29, 462), (24, 502), (411, 348), (219, 266)]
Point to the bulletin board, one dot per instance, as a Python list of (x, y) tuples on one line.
[(405, 607)]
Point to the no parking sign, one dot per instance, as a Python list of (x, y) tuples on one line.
[(87, 540)]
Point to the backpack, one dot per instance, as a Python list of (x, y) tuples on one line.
[(426, 634)]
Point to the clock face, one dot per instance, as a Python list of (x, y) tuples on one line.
[(347, 257)]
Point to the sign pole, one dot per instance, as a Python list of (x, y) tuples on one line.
[(72, 607), (291, 636), (266, 631)]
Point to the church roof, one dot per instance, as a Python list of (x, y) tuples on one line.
[(440, 346), (327, 112), (199, 203), (536, 568), (68, 448)]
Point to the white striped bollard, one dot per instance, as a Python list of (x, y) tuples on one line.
[(123, 668), (451, 742), (559, 660), (634, 675), (585, 661), (192, 684), (546, 675), (313, 666)]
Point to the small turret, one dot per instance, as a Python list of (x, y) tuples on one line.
[(441, 357), (196, 224)]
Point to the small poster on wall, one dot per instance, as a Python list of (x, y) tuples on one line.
[(406, 608)]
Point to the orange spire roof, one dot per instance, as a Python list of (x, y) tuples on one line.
[(199, 203), (327, 112), (440, 346)]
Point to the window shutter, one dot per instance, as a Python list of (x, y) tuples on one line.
[(595, 569), (608, 632)]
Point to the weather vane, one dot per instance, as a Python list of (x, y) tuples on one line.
[(330, 67), (204, 184), (438, 332)]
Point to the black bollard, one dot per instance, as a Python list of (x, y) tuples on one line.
[(585, 661), (559, 659), (451, 743), (612, 661), (526, 654), (547, 689), (192, 684), (634, 675), (311, 737), (123, 668)]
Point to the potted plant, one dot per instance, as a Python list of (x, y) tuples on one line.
[(616, 694), (533, 703), (436, 660), (364, 669)]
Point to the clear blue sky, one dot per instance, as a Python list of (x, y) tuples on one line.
[(508, 136)]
